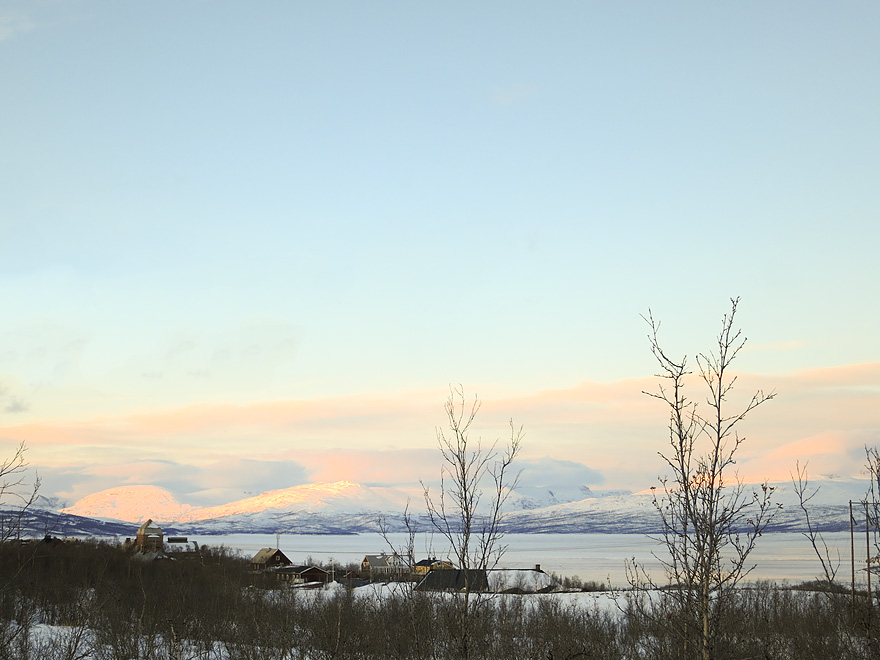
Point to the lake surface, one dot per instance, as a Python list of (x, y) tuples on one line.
[(782, 557)]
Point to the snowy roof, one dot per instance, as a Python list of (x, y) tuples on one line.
[(384, 561), (150, 555)]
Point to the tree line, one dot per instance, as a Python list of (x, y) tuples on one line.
[(103, 605)]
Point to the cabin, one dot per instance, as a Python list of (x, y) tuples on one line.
[(268, 558), (383, 566), (473, 580), (302, 574), (425, 566), (494, 580)]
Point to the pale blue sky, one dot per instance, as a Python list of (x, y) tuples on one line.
[(223, 202)]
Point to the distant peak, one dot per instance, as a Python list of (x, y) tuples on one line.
[(137, 503), (130, 503)]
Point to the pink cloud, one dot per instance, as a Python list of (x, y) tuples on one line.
[(822, 415), (372, 466)]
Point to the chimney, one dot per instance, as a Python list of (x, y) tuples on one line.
[(538, 568)]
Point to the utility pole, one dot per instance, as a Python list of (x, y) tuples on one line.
[(852, 559), (868, 561)]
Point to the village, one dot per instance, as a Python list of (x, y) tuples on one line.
[(429, 574)]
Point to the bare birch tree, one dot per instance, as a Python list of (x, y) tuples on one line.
[(710, 521), (15, 489), (805, 493), (475, 483), (853, 606)]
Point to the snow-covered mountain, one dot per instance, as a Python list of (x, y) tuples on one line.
[(131, 504), (348, 507), (48, 503), (624, 512), (137, 503), (337, 497), (537, 497)]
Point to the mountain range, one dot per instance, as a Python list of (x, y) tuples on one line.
[(347, 507)]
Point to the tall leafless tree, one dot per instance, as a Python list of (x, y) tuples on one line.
[(805, 493), (710, 520), (854, 605), (475, 483), (15, 490)]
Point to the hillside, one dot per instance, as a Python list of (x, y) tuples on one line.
[(348, 507)]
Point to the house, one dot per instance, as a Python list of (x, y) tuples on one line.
[(495, 580), (302, 574), (384, 566), (149, 537), (454, 579), (424, 566), (269, 558)]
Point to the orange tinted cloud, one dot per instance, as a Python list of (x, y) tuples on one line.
[(826, 414)]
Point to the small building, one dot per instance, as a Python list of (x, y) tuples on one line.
[(474, 580), (149, 537), (425, 566), (384, 566), (494, 580), (269, 558), (302, 574)]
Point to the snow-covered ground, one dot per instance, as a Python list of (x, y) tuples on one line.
[(612, 602)]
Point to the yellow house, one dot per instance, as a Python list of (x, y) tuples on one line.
[(433, 564)]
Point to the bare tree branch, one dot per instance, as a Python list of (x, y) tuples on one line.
[(468, 511), (801, 484), (710, 523)]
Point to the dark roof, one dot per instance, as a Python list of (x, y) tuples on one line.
[(300, 569), (454, 580)]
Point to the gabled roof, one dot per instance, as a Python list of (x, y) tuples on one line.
[(266, 554), (377, 561), (297, 570)]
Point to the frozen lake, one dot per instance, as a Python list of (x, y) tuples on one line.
[(598, 557)]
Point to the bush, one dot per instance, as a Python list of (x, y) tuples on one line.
[(109, 607)]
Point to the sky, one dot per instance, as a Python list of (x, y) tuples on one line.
[(245, 246)]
